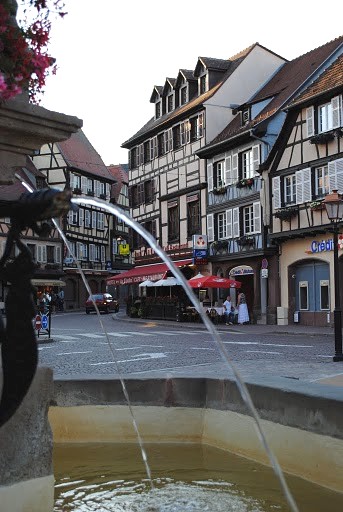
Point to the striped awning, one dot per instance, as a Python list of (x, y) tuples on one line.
[(47, 282)]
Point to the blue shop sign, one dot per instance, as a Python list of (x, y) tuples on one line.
[(324, 245)]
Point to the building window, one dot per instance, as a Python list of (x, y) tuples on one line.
[(173, 221), (290, 189), (161, 144), (248, 219), (32, 249), (158, 109), (100, 221), (170, 102), (147, 151), (218, 174), (176, 137), (247, 164), (303, 295), (87, 219), (149, 191), (322, 181), (90, 185), (203, 84), (168, 140), (325, 118), (221, 225), (183, 95), (153, 148), (50, 254), (245, 116), (193, 215), (185, 129)]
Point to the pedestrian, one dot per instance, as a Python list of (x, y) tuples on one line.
[(61, 300), (228, 311), (243, 313)]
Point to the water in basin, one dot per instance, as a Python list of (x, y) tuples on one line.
[(187, 478)]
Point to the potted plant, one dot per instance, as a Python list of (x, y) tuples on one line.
[(317, 205), (219, 244), (322, 138), (245, 182), (219, 190), (287, 212), (246, 240)]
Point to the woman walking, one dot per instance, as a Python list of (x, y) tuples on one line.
[(243, 314)]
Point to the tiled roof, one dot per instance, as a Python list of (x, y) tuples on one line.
[(220, 64), (188, 73), (281, 87), (79, 154), (195, 102), (331, 79), (120, 174)]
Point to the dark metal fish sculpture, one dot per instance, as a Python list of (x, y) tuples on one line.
[(17, 336)]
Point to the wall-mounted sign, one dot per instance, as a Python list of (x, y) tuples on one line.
[(200, 257), (264, 273), (241, 270), (124, 249), (199, 241), (324, 245)]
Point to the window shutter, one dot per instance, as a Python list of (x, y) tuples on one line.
[(72, 181), (78, 250), (87, 218), (229, 223), (336, 111), (44, 253), (70, 217), (332, 176), (235, 222), (91, 252), (102, 253), (307, 187), (227, 173), (210, 227), (94, 219), (84, 184), (256, 157), (210, 177), (339, 175), (107, 190), (310, 121), (235, 167), (276, 185), (39, 253), (81, 216), (257, 217), (58, 254), (299, 187), (114, 246), (96, 188)]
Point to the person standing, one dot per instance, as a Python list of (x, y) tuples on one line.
[(243, 313), (228, 311)]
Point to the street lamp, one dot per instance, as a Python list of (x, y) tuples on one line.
[(334, 209)]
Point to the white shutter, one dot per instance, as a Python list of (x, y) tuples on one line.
[(70, 217), (339, 175), (227, 173), (229, 223), (39, 254), (210, 227), (235, 222), (44, 254), (307, 186), (210, 177), (96, 188), (310, 121), (332, 176), (107, 190), (58, 254), (87, 218), (234, 167), (72, 181), (94, 219), (257, 216), (114, 246), (256, 157), (84, 184), (299, 187), (79, 250), (336, 111), (81, 215), (103, 253), (276, 190)]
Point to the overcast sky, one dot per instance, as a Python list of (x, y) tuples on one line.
[(111, 53)]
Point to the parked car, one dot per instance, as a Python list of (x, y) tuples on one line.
[(104, 301)]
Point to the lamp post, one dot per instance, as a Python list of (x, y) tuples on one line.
[(334, 209)]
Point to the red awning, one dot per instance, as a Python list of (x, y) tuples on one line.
[(139, 274)]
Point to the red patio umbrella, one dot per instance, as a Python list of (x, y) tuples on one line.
[(213, 282)]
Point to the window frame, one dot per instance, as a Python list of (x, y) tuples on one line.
[(321, 191), (291, 187)]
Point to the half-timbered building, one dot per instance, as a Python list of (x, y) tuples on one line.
[(167, 180), (238, 219), (75, 164), (309, 165)]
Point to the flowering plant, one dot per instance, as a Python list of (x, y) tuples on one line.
[(245, 182), (317, 205), (24, 61)]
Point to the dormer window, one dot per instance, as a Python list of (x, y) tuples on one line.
[(183, 95), (170, 102), (245, 116), (202, 84), (158, 110)]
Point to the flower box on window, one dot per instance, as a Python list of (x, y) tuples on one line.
[(245, 182), (219, 244), (219, 191), (322, 138), (286, 213), (102, 196), (317, 205), (90, 193), (77, 191), (246, 240)]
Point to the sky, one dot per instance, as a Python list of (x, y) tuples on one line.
[(111, 53)]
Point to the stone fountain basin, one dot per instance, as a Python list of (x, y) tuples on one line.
[(303, 423)]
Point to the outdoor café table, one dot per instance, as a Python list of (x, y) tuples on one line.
[(220, 310)]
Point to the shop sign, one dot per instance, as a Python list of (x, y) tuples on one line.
[(124, 249), (264, 272), (199, 242), (200, 257), (241, 270)]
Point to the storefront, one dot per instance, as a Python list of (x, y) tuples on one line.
[(307, 280)]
